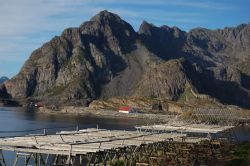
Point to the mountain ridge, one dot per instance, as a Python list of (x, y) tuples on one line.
[(3, 79), (105, 57)]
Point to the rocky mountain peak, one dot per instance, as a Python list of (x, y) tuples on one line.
[(163, 41), (107, 19), (238, 37), (105, 57), (105, 16), (145, 28), (110, 29)]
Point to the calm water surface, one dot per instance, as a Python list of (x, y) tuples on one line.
[(16, 119)]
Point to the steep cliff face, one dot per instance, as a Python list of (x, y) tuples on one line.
[(167, 80), (105, 57), (164, 41), (75, 64), (228, 46)]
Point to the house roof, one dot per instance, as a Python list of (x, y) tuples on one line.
[(124, 108), (40, 104)]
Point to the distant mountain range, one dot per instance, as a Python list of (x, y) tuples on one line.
[(105, 57), (3, 79)]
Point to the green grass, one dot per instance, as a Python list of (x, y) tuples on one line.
[(56, 90), (243, 150), (241, 155), (187, 94)]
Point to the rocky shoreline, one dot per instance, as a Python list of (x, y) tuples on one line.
[(85, 111)]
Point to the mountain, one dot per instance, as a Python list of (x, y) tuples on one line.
[(3, 79), (105, 57)]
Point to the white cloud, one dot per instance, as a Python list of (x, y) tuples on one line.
[(31, 16), (26, 24), (202, 4)]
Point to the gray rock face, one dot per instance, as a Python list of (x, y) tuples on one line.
[(163, 41), (105, 57), (166, 80), (75, 64)]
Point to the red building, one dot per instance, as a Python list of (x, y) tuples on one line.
[(39, 104), (126, 109)]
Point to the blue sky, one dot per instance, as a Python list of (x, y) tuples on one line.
[(26, 24)]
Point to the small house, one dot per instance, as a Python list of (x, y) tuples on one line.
[(126, 109), (39, 104)]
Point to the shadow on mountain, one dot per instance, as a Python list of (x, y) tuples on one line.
[(5, 98), (225, 91), (245, 81), (163, 41), (168, 43)]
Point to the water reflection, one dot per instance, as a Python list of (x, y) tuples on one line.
[(17, 119)]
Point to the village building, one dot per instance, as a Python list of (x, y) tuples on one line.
[(127, 109)]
